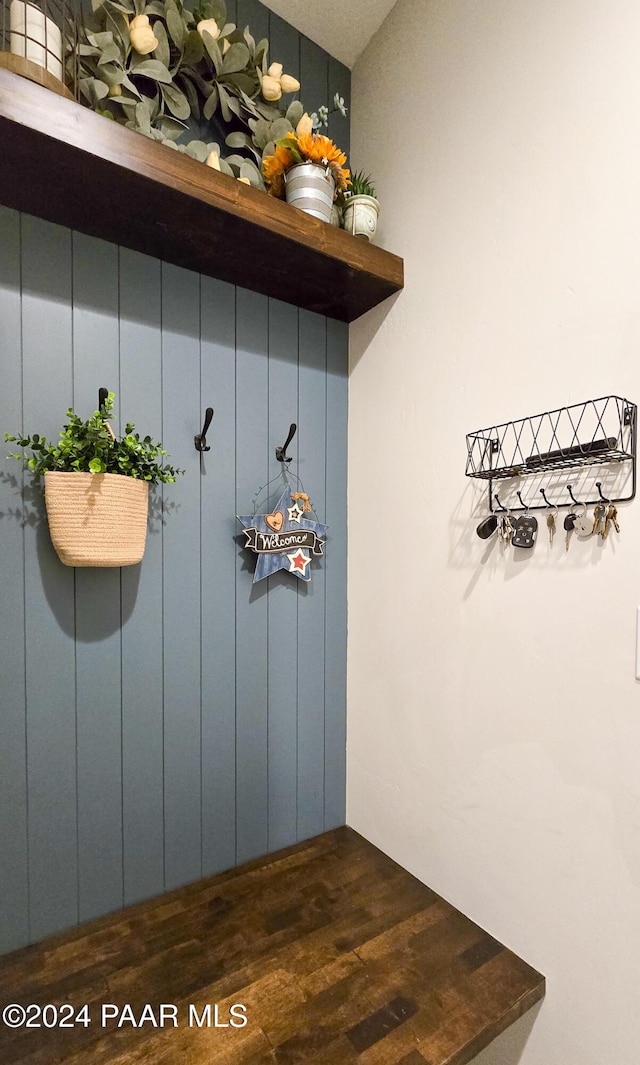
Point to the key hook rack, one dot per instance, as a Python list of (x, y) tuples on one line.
[(502, 508), (281, 452), (599, 432)]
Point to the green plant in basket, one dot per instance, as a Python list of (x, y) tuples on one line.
[(91, 447), (96, 487)]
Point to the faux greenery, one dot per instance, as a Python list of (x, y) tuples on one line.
[(361, 185), (320, 117), (153, 64), (90, 447)]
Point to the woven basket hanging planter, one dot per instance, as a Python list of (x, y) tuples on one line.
[(97, 519)]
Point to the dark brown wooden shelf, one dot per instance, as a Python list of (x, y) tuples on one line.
[(338, 955), (62, 162)]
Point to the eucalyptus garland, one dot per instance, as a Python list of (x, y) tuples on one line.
[(155, 66)]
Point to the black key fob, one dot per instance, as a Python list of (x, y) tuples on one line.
[(487, 527), (525, 532)]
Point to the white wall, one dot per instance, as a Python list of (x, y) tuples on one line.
[(494, 728)]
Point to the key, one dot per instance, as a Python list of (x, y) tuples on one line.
[(598, 516), (612, 517), (505, 530), (551, 526), (568, 524)]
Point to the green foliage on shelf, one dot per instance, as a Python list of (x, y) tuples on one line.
[(361, 185), (153, 65), (89, 447)]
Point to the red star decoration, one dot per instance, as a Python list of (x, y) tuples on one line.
[(299, 561)]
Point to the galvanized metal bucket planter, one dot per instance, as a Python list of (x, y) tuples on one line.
[(97, 519), (310, 187)]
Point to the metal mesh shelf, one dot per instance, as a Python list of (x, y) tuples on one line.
[(598, 432)]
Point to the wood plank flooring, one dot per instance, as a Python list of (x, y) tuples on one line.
[(337, 955)]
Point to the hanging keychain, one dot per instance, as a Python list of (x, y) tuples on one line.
[(487, 526), (526, 528), (583, 525), (552, 519)]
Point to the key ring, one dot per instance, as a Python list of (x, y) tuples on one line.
[(583, 525)]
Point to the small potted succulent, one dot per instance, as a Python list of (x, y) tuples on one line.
[(361, 208), (96, 487), (307, 169)]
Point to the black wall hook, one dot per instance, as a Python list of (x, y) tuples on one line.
[(576, 502), (200, 440), (602, 497), (281, 452), (103, 394), (544, 496)]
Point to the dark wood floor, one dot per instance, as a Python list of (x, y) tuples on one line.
[(337, 954)]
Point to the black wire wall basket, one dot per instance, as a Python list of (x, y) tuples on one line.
[(597, 433)]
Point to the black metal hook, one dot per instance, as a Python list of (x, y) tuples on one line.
[(200, 440), (552, 506), (602, 497), (525, 506), (103, 394), (281, 452), (501, 505), (576, 502)]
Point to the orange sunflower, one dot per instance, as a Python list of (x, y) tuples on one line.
[(316, 148), (319, 149), (274, 168), (303, 148)]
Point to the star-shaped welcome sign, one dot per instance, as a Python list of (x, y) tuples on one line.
[(284, 539)]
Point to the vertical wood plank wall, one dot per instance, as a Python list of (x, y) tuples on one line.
[(163, 722)]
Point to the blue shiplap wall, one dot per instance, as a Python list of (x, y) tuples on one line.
[(166, 721)]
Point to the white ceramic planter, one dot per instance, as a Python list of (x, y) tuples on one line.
[(310, 187), (361, 216)]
